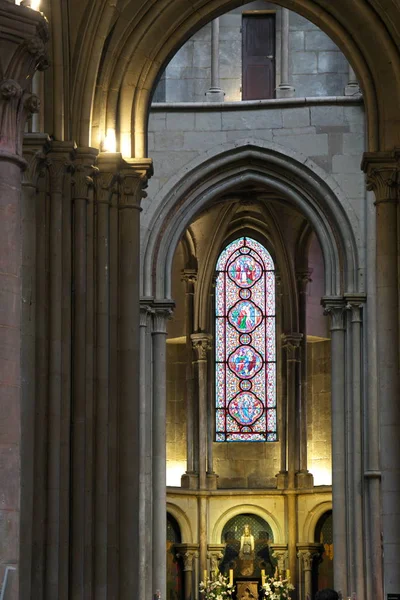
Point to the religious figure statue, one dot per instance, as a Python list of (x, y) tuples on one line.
[(246, 551)]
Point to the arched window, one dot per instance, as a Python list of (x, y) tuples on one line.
[(245, 348)]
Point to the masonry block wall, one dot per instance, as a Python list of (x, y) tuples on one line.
[(316, 65)]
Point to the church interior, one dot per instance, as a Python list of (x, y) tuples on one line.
[(199, 299)]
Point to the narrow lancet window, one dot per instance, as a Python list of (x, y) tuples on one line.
[(245, 346)]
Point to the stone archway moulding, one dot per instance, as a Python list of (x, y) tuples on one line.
[(143, 36), (314, 193), (254, 509), (183, 522), (312, 519)]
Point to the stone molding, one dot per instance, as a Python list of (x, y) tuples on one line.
[(146, 310), (303, 278), (280, 552), (189, 276), (59, 162), (307, 553), (383, 175), (23, 35), (335, 307), (201, 343)]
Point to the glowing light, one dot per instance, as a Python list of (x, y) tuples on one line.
[(110, 141), (126, 145), (175, 470), (322, 472), (35, 4)]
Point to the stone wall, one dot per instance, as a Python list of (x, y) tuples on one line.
[(316, 65), (331, 135)]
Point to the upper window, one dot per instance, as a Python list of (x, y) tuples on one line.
[(245, 347)]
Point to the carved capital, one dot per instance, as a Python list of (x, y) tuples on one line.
[(59, 162), (335, 307), (145, 311), (23, 38), (84, 172), (290, 343), (162, 312), (280, 552), (35, 148), (307, 553), (354, 303), (303, 278), (201, 343), (133, 178), (188, 552), (189, 276), (383, 174)]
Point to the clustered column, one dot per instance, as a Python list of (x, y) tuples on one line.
[(23, 36), (383, 177)]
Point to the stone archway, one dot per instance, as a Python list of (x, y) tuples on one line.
[(133, 62), (308, 188)]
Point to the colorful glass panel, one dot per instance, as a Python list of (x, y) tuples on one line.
[(245, 350)]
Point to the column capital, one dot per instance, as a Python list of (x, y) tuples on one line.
[(383, 174), (145, 311), (133, 177), (59, 160), (280, 552), (188, 552), (189, 276), (307, 553), (84, 172), (303, 278), (34, 150), (214, 553), (162, 311), (201, 343), (290, 343), (23, 37), (354, 303), (335, 307)]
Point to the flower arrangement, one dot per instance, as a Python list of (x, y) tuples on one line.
[(277, 589), (218, 588)]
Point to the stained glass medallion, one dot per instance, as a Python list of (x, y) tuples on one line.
[(245, 343)]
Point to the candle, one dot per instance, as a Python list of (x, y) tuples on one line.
[(231, 577), (262, 576), (287, 573), (205, 576)]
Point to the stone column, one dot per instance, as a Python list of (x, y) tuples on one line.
[(306, 555), (201, 346), (352, 88), (146, 418), (214, 554), (284, 90), (133, 177), (355, 461), (188, 552), (105, 467), (281, 554), (162, 312), (215, 94), (335, 307), (304, 479), (60, 164), (23, 35), (383, 177), (190, 478), (82, 411), (33, 149), (291, 346)]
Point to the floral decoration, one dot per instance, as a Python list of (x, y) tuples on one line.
[(277, 589), (218, 588)]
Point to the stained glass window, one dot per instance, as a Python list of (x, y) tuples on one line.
[(245, 348)]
